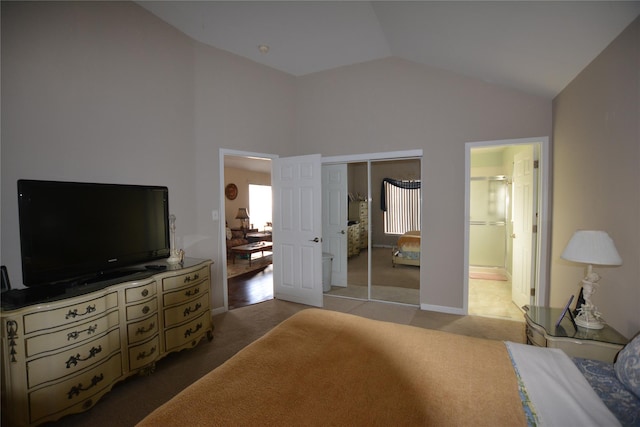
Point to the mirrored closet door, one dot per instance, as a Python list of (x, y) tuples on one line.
[(374, 251)]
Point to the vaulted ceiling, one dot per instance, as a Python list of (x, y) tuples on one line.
[(534, 46)]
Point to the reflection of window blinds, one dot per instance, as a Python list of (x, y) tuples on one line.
[(402, 212)]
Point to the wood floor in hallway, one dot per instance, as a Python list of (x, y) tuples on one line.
[(251, 288)]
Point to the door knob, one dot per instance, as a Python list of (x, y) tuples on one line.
[(513, 235), (341, 231), (315, 240)]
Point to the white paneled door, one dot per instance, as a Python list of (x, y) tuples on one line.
[(524, 207), (297, 229)]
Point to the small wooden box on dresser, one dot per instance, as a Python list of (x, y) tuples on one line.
[(61, 353)]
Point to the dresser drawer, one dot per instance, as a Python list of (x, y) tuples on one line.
[(65, 315), (142, 330), (183, 312), (535, 336), (71, 336), (189, 332), (182, 280), (70, 361), (76, 390), (140, 293), (143, 354), (185, 294), (141, 310)]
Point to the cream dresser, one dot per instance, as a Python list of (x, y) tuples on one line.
[(63, 349), (359, 211)]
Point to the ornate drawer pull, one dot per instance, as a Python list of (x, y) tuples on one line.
[(189, 310), (75, 390), (145, 292), (145, 309), (188, 278), (76, 334), (74, 313), (142, 330), (73, 360), (190, 331), (144, 354), (12, 334), (192, 292)]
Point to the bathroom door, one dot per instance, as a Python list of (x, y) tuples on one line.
[(524, 208)]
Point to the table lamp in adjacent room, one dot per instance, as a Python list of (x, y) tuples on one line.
[(591, 247), (243, 216)]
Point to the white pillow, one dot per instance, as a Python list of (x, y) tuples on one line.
[(228, 233)]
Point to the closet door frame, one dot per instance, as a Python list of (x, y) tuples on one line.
[(369, 158)]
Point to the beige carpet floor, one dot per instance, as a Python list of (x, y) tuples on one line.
[(134, 398), (382, 271)]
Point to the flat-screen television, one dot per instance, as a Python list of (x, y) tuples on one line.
[(72, 231)]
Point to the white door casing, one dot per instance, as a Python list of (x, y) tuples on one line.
[(334, 219), (524, 208), (297, 229)]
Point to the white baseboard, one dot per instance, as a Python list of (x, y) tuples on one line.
[(443, 309), (219, 310)]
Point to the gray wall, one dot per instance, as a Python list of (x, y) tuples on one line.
[(97, 93), (597, 177), (392, 105), (107, 92)]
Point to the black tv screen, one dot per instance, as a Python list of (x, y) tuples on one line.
[(71, 230)]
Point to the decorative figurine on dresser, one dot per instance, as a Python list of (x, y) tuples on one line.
[(80, 325)]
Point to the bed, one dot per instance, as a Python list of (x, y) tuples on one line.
[(321, 367), (407, 250)]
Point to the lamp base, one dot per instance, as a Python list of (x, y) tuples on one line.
[(176, 257), (589, 321), (173, 259)]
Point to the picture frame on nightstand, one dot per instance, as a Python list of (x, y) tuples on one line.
[(566, 311)]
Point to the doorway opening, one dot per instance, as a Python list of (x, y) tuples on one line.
[(505, 230), (247, 211)]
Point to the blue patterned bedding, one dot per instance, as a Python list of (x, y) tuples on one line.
[(407, 254), (602, 378)]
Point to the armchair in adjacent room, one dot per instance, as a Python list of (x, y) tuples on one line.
[(235, 238)]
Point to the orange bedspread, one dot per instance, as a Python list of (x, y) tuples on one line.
[(409, 242), (326, 368)]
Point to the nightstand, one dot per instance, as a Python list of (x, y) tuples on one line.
[(600, 344)]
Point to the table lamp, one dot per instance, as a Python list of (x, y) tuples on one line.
[(243, 216), (591, 247)]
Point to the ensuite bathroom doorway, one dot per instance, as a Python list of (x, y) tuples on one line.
[(503, 252)]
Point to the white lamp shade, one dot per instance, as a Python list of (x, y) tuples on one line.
[(592, 247)]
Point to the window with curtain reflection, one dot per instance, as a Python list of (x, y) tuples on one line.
[(401, 205)]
